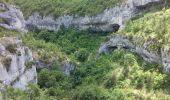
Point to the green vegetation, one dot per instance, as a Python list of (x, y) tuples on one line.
[(29, 64), (32, 93), (153, 28), (107, 78), (76, 44), (12, 48), (44, 51), (62, 7), (7, 62), (120, 75)]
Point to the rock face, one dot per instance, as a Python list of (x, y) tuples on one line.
[(106, 21), (12, 17), (16, 63), (122, 42), (165, 60), (67, 68)]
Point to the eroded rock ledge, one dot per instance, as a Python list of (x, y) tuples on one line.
[(12, 18), (16, 63), (108, 21), (123, 42)]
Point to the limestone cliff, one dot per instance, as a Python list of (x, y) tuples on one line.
[(16, 63), (109, 21), (12, 18)]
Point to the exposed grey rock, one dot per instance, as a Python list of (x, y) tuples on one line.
[(13, 18), (67, 68), (143, 2), (41, 64), (122, 42), (165, 60), (105, 21), (16, 68)]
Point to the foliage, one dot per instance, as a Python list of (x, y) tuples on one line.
[(7, 62), (56, 82), (120, 75), (82, 55), (32, 93), (29, 64), (77, 44), (153, 29), (45, 51), (62, 7), (113, 72), (12, 48), (91, 93)]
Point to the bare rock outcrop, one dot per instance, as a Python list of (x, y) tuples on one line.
[(16, 63), (162, 58), (67, 68), (108, 21), (12, 18)]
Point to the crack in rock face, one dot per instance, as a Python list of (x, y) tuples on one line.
[(16, 67), (124, 43)]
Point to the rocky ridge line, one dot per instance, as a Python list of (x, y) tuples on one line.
[(108, 21)]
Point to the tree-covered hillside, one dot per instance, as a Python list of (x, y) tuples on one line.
[(118, 75)]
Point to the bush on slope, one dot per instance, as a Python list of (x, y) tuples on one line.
[(153, 28)]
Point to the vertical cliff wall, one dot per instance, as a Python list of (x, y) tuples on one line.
[(16, 63)]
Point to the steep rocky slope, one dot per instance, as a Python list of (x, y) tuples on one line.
[(16, 65), (11, 18)]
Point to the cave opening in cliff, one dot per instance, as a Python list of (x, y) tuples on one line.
[(115, 27)]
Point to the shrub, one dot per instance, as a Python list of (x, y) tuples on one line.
[(82, 55), (29, 64), (12, 48), (91, 93), (44, 57), (7, 62), (111, 82)]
